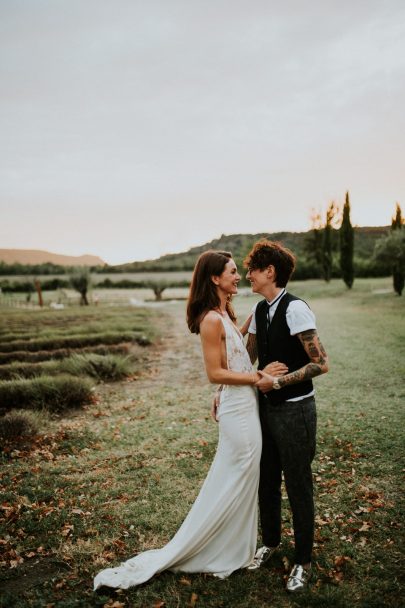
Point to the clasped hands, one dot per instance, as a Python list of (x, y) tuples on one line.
[(267, 375), (264, 383)]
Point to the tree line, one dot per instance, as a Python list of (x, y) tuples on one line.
[(330, 246)]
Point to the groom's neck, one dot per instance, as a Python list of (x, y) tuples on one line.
[(270, 292)]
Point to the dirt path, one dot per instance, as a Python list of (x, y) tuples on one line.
[(179, 358), (174, 363)]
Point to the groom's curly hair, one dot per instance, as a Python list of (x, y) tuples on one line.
[(271, 253)]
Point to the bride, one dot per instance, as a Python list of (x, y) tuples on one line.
[(219, 533)]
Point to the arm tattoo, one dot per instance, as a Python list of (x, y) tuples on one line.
[(305, 373), (317, 364), (251, 347), (307, 336), (312, 345)]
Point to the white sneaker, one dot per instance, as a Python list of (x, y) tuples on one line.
[(262, 555), (298, 578)]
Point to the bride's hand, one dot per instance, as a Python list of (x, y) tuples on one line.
[(276, 369), (265, 384), (215, 405)]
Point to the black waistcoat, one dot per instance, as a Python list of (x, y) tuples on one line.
[(275, 343)]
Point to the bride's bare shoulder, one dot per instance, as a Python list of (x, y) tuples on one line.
[(211, 322)]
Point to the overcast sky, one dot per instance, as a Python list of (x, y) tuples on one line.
[(134, 128)]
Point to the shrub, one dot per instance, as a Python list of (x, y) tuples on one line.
[(75, 341), (102, 367), (17, 425), (55, 393), (61, 353), (391, 250), (16, 286), (16, 370)]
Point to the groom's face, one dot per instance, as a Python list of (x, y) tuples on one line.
[(258, 279)]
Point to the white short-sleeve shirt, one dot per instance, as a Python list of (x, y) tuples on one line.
[(299, 318)]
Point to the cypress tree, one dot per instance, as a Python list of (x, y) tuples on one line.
[(346, 234), (398, 271), (397, 221), (313, 244), (331, 213)]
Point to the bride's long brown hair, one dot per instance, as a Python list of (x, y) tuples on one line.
[(203, 295)]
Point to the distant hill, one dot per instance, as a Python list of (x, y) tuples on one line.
[(36, 256), (240, 244)]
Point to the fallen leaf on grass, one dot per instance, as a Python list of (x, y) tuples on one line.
[(193, 600), (78, 512), (340, 561), (67, 529), (184, 581), (159, 604), (321, 522), (30, 554), (365, 527), (337, 577), (99, 413), (363, 510)]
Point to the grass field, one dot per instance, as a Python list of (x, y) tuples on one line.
[(118, 477), (47, 357)]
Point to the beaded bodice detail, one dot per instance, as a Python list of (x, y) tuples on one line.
[(237, 356)]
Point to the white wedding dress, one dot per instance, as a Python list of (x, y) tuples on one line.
[(219, 533)]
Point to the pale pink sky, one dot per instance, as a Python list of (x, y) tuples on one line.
[(133, 129)]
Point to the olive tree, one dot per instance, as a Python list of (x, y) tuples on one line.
[(80, 280)]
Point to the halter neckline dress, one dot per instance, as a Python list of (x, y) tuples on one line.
[(219, 533)]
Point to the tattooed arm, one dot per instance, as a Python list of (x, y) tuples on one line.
[(317, 365)]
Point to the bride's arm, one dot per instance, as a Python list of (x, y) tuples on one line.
[(212, 334)]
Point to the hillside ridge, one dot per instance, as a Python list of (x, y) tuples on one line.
[(239, 244), (38, 256)]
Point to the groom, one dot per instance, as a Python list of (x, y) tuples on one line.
[(283, 328)]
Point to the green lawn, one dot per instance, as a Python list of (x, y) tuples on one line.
[(118, 477)]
